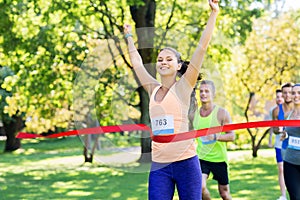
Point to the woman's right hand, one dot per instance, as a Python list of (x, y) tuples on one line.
[(127, 29), (283, 135)]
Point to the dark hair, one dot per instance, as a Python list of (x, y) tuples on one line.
[(183, 68), (176, 53), (278, 90), (184, 63), (286, 85)]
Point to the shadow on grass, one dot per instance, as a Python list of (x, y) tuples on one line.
[(38, 149), (258, 177), (251, 178), (54, 169), (74, 183)]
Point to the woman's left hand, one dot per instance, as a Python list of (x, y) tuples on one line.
[(214, 5)]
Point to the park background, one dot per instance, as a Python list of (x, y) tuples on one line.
[(64, 66)]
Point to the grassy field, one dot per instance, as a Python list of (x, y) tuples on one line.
[(54, 169)]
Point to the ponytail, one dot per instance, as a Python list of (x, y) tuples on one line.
[(184, 66)]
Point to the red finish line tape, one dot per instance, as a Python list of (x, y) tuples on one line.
[(165, 138), (225, 128), (86, 131)]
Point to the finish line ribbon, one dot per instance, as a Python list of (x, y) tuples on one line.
[(165, 138), (87, 131), (224, 128)]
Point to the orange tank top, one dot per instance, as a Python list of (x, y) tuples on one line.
[(170, 116)]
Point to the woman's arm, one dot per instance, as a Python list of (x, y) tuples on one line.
[(193, 70), (146, 80)]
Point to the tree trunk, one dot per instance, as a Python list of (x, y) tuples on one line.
[(257, 147), (12, 143), (254, 151), (88, 157), (90, 145), (145, 118), (254, 147), (143, 17)]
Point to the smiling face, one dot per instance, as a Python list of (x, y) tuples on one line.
[(279, 98), (167, 63), (287, 94), (296, 95), (207, 93)]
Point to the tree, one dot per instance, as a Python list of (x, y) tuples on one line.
[(11, 124), (51, 43), (269, 58)]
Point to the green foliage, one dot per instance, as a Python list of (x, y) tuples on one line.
[(237, 19), (43, 60), (5, 72), (269, 58), (53, 39), (135, 3)]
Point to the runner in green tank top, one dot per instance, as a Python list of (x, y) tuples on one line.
[(211, 149)]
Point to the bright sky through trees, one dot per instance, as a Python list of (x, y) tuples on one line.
[(292, 4)]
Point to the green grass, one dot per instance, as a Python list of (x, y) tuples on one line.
[(54, 169)]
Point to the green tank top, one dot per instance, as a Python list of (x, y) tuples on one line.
[(213, 151)]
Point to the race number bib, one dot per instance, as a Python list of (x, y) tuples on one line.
[(294, 143), (162, 125)]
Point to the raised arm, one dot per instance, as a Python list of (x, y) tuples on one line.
[(147, 81), (198, 56)]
